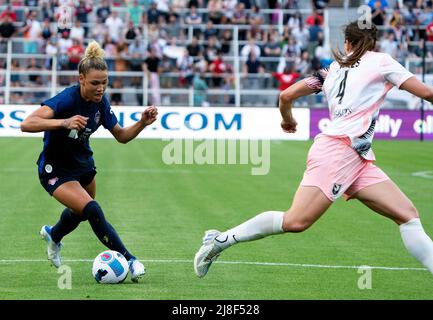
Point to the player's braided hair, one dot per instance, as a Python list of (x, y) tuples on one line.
[(362, 40), (93, 59)]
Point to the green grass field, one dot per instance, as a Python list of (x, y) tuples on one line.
[(161, 212)]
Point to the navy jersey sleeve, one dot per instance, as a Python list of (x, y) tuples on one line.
[(61, 102), (108, 118)]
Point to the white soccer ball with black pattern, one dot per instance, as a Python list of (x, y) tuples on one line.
[(110, 267)]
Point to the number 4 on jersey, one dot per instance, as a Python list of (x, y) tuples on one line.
[(342, 87)]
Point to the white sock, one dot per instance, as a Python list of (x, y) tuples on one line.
[(262, 225), (417, 242)]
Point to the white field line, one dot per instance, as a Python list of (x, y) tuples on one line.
[(256, 263), (424, 174)]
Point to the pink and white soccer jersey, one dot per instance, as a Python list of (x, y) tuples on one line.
[(340, 160), (356, 94)]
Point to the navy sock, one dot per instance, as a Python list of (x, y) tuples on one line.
[(103, 230), (68, 222)]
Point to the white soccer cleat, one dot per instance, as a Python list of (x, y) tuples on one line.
[(207, 254), (53, 249), (137, 269)]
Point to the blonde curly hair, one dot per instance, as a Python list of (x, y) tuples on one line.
[(93, 59)]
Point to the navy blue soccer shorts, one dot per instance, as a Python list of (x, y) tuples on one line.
[(51, 183)]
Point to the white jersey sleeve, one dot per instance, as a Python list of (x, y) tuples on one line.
[(393, 71)]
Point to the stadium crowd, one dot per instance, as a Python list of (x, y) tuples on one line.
[(182, 43)]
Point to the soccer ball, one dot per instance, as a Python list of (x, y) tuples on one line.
[(110, 267)]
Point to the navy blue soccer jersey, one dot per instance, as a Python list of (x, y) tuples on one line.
[(67, 152)]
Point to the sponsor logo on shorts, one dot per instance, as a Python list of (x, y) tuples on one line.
[(336, 189)]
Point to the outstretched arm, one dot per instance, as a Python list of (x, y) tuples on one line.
[(418, 88), (42, 120), (124, 135), (295, 91)]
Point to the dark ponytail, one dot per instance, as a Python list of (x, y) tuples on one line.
[(361, 40)]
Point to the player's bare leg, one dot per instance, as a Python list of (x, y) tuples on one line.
[(388, 200), (308, 205)]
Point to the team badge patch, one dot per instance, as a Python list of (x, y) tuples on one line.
[(53, 181), (336, 189), (97, 117)]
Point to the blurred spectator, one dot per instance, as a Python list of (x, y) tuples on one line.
[(178, 5), (214, 8), (314, 19), (15, 77), (75, 53), (32, 33), (210, 30), (116, 97), (251, 70), (64, 43), (110, 49), (173, 52), (120, 62), (378, 16), (46, 30), (153, 13), (77, 31), (301, 36), (319, 4), (272, 49), (132, 32), (7, 30), (185, 65), (103, 11), (174, 28), (9, 12), (152, 32), (115, 26), (388, 44), (240, 17), (251, 46), (193, 18), (211, 50), (255, 18), (99, 31), (51, 50), (135, 12), (200, 89), (34, 76), (228, 8), (163, 7), (226, 41), (194, 48), (217, 67), (136, 53), (286, 78), (303, 63), (152, 63), (323, 53), (81, 14), (383, 4), (47, 10), (294, 21)]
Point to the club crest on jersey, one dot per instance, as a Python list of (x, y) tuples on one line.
[(48, 168), (97, 117)]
